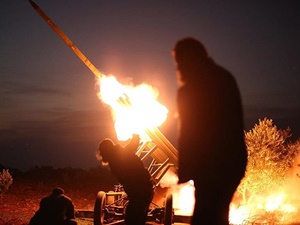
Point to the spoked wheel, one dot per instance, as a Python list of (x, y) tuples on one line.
[(99, 208), (168, 215)]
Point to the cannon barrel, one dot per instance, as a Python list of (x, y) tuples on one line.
[(67, 40)]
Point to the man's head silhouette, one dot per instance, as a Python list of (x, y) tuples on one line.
[(106, 148), (190, 56), (57, 191)]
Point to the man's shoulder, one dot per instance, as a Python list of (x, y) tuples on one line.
[(65, 197), (222, 72), (46, 199)]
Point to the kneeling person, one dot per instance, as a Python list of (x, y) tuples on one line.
[(55, 209)]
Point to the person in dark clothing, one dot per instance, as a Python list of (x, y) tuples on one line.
[(211, 144), (55, 209), (130, 171)]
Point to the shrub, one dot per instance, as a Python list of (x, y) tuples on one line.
[(5, 181), (270, 156)]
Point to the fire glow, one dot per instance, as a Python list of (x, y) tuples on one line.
[(183, 194), (135, 108)]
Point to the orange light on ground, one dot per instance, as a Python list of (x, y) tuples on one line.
[(134, 108)]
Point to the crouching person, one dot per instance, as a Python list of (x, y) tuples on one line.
[(55, 209)]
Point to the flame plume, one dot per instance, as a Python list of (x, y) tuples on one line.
[(135, 108)]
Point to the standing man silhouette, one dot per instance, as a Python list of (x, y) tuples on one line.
[(212, 151)]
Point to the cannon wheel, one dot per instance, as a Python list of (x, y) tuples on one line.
[(168, 215), (99, 208)]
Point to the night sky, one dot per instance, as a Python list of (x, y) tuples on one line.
[(49, 110)]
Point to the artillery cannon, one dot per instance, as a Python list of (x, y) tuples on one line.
[(158, 151), (160, 155)]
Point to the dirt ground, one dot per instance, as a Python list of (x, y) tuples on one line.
[(22, 200)]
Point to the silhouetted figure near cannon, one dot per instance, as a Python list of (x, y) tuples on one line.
[(55, 209), (130, 172), (212, 151)]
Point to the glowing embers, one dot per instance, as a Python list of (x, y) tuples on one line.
[(134, 108)]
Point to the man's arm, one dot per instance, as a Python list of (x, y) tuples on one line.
[(133, 144), (69, 208)]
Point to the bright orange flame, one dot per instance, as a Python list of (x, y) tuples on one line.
[(183, 194), (260, 206), (135, 108), (184, 199)]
